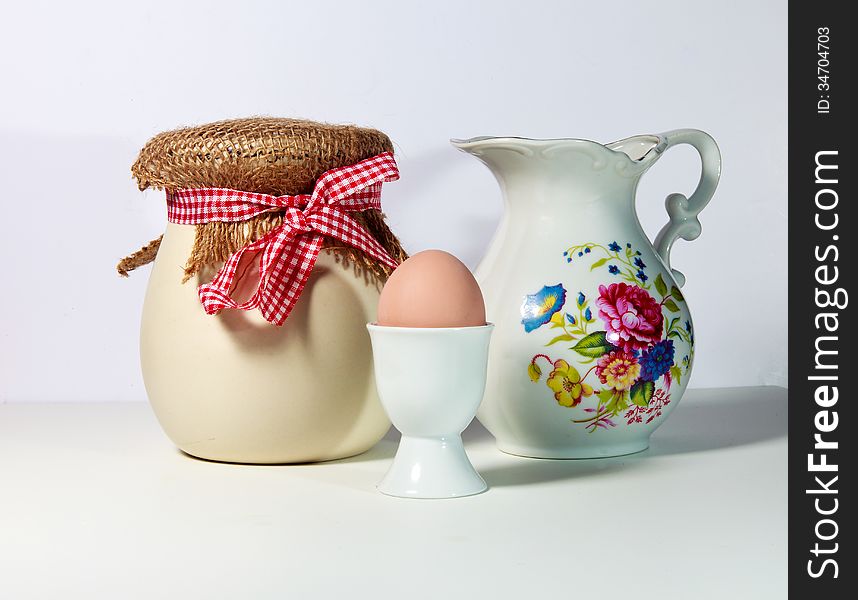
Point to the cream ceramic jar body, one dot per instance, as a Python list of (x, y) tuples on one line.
[(235, 388)]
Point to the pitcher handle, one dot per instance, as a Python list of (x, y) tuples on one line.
[(683, 211)]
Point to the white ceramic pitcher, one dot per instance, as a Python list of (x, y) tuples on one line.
[(593, 342)]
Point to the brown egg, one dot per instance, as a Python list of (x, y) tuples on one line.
[(431, 289)]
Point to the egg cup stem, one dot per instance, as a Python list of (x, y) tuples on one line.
[(432, 468)]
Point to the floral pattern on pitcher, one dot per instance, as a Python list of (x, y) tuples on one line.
[(629, 340), (626, 263)]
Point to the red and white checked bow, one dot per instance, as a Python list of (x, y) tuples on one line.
[(289, 251)]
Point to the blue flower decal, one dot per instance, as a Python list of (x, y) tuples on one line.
[(537, 309), (581, 298), (641, 275), (657, 361), (614, 247), (613, 269), (639, 263), (588, 314)]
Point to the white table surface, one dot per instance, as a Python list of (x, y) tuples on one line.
[(96, 503)]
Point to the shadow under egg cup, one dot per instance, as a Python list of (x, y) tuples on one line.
[(431, 382)]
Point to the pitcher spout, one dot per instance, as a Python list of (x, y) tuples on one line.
[(628, 158), (499, 154)]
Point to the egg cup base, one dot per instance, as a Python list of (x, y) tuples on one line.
[(431, 468)]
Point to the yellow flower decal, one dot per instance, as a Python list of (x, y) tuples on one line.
[(565, 382), (619, 370)]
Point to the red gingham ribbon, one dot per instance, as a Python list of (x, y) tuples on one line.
[(290, 250)]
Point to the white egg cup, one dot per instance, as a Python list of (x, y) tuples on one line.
[(431, 382)]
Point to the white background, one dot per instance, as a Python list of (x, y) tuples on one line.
[(85, 84)]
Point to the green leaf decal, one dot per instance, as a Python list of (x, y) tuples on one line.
[(605, 395), (642, 392), (534, 371), (674, 291), (660, 285), (676, 373), (593, 345), (670, 305), (561, 338), (599, 263), (619, 402)]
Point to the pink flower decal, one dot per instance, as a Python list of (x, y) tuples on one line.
[(632, 317)]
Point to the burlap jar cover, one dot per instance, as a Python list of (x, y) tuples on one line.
[(191, 361), (265, 155)]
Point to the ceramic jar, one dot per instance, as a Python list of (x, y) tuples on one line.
[(232, 386)]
